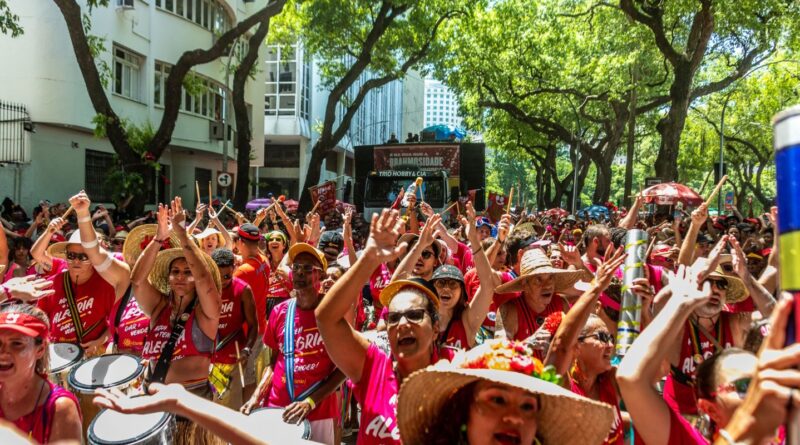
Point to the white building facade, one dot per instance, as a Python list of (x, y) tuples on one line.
[(142, 41), (441, 105), (295, 108)]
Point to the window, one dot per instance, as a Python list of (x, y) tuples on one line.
[(206, 13), (208, 103), (127, 68), (288, 83), (287, 156), (97, 166)]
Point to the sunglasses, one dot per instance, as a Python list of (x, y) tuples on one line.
[(446, 283), (280, 240), (415, 316), (721, 283), (82, 257), (427, 254), (603, 337), (739, 386), (307, 268)]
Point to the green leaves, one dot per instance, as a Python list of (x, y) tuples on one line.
[(9, 22)]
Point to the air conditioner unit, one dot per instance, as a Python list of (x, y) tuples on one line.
[(125, 4), (216, 130)]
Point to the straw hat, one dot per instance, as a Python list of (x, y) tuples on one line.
[(140, 237), (299, 248), (736, 290), (534, 263), (60, 249), (159, 275), (563, 418), (210, 231)]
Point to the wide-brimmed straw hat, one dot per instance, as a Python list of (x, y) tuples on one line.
[(210, 231), (159, 275), (420, 284), (535, 263), (60, 249), (736, 291), (140, 237), (563, 417)]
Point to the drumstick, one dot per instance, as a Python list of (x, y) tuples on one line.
[(224, 206), (716, 190), (197, 188), (239, 361), (448, 209), (510, 197), (64, 216), (315, 207), (210, 199)]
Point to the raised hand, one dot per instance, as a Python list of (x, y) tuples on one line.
[(713, 259), (426, 209), (738, 259), (571, 255), (162, 398), (503, 227), (55, 225), (700, 214), (28, 288), (606, 269), (212, 213), (177, 214), (687, 286), (162, 218), (381, 246), (80, 202), (426, 237), (642, 288)]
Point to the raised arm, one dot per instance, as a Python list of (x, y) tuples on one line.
[(562, 347), (4, 249), (476, 311), (198, 216), (347, 234), (640, 367), (629, 221), (762, 298), (114, 271), (214, 218), (287, 222), (346, 347), (699, 217), (146, 295), (406, 266), (208, 295)]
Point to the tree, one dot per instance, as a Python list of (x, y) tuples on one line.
[(362, 45), (693, 36), (9, 22), (85, 47)]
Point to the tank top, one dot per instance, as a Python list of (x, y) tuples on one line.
[(133, 325), (231, 321), (608, 394), (160, 330), (94, 300), (679, 390), (529, 321), (456, 335), (39, 423)]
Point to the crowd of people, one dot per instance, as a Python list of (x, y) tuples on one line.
[(410, 328)]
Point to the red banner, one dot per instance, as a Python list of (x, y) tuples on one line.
[(497, 206), (418, 158), (326, 195), (461, 208)]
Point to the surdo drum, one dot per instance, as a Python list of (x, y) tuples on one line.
[(119, 371), (63, 358), (270, 424), (114, 428)]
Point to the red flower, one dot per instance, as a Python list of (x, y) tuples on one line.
[(552, 322), (149, 156), (522, 364)]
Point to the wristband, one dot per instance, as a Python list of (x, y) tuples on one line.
[(89, 244), (475, 252), (105, 264), (310, 401), (85, 219), (728, 438)]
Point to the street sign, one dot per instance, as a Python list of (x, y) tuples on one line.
[(729, 200), (224, 179), (649, 182)]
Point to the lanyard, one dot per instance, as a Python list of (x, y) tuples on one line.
[(288, 347)]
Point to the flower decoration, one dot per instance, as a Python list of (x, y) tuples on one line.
[(506, 355), (552, 322)]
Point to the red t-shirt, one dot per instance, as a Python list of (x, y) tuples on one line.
[(95, 298), (132, 328), (376, 392), (255, 272), (608, 394), (311, 361), (231, 319), (681, 432)]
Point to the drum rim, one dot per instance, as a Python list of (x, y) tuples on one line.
[(91, 437), (306, 422), (89, 389), (71, 363)]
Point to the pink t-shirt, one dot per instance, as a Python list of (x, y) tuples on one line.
[(379, 279), (682, 433), (376, 392), (311, 361)]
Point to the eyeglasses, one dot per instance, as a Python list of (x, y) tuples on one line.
[(721, 283), (602, 336), (739, 386), (415, 316), (427, 254), (446, 283), (82, 257), (307, 268), (280, 240)]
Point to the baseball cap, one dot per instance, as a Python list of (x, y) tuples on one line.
[(24, 324), (249, 231)]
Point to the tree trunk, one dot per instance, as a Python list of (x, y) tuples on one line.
[(313, 174)]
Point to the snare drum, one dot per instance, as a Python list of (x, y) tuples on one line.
[(120, 371), (63, 357), (111, 427), (270, 424)]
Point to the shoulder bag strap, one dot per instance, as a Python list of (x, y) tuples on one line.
[(165, 359)]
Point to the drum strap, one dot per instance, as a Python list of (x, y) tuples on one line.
[(288, 347), (165, 359), (225, 341), (121, 310), (74, 313)]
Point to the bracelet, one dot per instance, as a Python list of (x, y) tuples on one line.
[(475, 252), (728, 438), (89, 244), (85, 219), (310, 401), (105, 264)]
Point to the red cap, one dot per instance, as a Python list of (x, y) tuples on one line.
[(24, 324)]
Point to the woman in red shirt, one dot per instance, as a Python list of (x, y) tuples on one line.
[(40, 409)]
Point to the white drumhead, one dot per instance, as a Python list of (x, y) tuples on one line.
[(63, 354), (106, 370), (270, 424), (111, 426)]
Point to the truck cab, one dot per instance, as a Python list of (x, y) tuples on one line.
[(382, 187)]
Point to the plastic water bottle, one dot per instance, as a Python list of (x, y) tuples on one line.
[(412, 190)]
